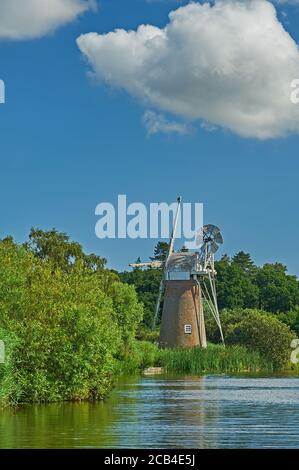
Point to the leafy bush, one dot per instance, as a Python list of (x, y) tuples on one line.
[(9, 389), (70, 327), (127, 313), (146, 283), (228, 318), (146, 334), (143, 354), (291, 319), (259, 331)]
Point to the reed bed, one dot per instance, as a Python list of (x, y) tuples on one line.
[(214, 359)]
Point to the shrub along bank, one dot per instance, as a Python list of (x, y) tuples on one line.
[(65, 330), (214, 359), (258, 331)]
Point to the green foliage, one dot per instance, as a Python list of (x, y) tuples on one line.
[(235, 282), (160, 251), (291, 319), (143, 354), (242, 284), (147, 334), (69, 324), (146, 283), (127, 312), (244, 261), (215, 358), (258, 331), (69, 327), (56, 247), (279, 292), (228, 317), (9, 388)]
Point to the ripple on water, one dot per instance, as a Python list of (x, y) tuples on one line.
[(149, 412)]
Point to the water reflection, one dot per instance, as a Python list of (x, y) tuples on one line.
[(149, 412)]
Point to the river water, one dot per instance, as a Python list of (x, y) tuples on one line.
[(163, 412)]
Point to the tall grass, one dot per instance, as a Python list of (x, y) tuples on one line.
[(215, 358), (143, 354)]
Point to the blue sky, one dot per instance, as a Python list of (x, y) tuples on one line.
[(67, 144)]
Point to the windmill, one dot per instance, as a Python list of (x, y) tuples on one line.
[(188, 288)]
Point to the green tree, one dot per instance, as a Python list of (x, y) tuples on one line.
[(265, 334), (279, 292), (235, 285), (127, 312), (160, 251), (146, 283), (244, 261), (57, 248), (257, 330), (291, 319)]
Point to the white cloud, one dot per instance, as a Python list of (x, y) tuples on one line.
[(26, 19), (156, 123), (230, 65)]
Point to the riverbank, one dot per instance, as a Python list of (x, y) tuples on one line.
[(208, 411), (214, 359)]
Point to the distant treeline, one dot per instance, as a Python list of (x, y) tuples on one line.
[(240, 285)]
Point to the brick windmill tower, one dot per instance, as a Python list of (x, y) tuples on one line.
[(187, 289)]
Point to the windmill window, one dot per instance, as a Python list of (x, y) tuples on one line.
[(188, 329)]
